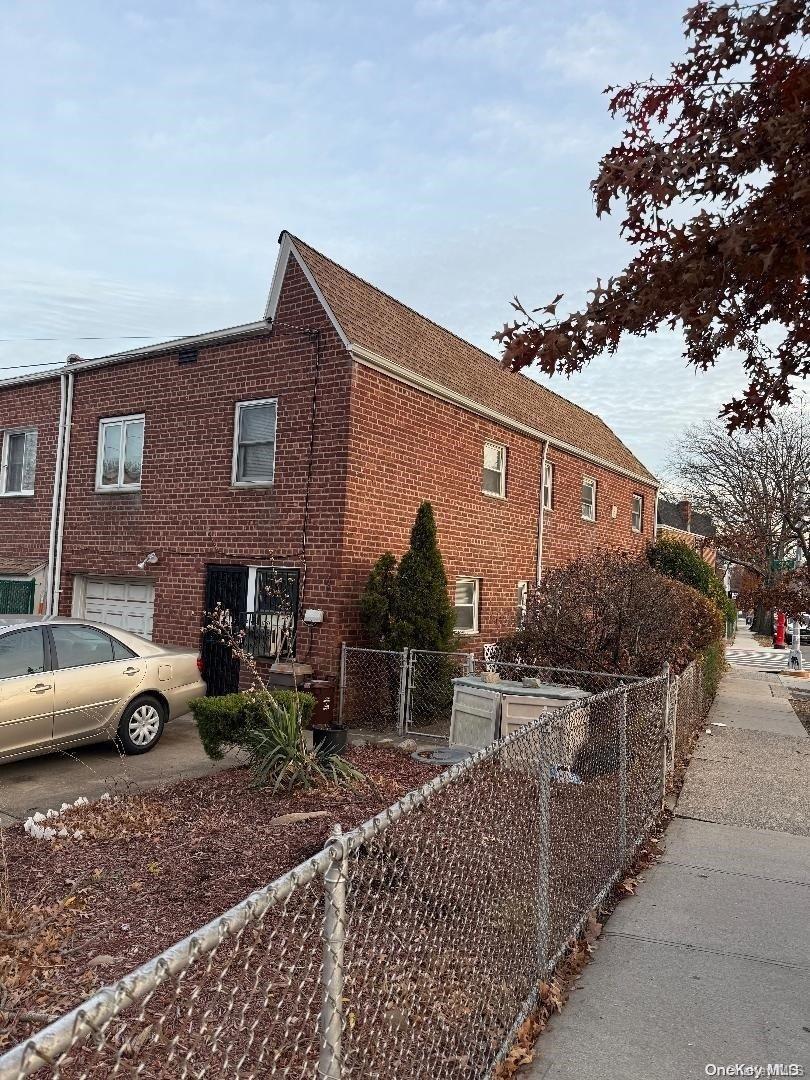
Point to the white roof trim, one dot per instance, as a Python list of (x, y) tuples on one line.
[(411, 378), (212, 336), (32, 377), (285, 249)]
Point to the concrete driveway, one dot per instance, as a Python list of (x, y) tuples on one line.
[(42, 782)]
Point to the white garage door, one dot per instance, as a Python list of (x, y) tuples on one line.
[(128, 603)]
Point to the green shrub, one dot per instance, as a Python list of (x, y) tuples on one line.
[(278, 755), (675, 559), (714, 664), (223, 722)]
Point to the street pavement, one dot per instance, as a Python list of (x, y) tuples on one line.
[(39, 783), (708, 964)]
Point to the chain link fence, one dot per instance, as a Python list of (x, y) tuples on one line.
[(373, 689), (412, 946), (429, 694)]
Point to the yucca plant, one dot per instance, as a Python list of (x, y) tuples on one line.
[(278, 755)]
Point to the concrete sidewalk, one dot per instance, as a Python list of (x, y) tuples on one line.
[(709, 964)]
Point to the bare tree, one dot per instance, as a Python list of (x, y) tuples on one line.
[(755, 486)]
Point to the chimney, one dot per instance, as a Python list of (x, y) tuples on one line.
[(685, 510)]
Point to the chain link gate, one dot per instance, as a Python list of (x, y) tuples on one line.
[(16, 597), (429, 691), (372, 688)]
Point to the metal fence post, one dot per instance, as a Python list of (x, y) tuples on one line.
[(330, 1026), (622, 780), (403, 690), (342, 680), (667, 738), (470, 664)]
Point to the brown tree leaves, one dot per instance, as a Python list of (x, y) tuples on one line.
[(727, 138)]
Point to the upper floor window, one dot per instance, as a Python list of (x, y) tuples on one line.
[(548, 485), (588, 499), (254, 442), (120, 453), (637, 513), (19, 462), (466, 605), (494, 477)]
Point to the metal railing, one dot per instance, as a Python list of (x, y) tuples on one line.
[(412, 946)]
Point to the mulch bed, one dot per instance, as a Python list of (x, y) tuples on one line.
[(153, 868), (801, 706)]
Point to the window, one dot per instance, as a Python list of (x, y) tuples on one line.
[(78, 646), (272, 611), (637, 513), (22, 653), (522, 601), (494, 478), (254, 457), (120, 454), (588, 499), (19, 463), (548, 486), (467, 592)]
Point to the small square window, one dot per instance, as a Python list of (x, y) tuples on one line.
[(494, 476), (254, 458), (637, 513), (120, 454), (466, 605), (548, 486), (588, 499), (19, 462)]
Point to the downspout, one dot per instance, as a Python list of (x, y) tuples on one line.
[(541, 515), (315, 338), (60, 525), (57, 484)]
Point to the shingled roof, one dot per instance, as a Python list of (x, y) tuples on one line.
[(372, 320)]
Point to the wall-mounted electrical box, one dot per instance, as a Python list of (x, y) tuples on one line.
[(313, 616)]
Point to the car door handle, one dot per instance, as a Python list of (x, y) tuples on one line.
[(132, 671), (41, 688)]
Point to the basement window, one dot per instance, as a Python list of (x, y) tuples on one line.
[(19, 462), (254, 443)]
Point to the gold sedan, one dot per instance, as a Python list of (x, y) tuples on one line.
[(66, 682)]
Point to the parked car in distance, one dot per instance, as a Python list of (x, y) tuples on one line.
[(804, 636), (67, 682)]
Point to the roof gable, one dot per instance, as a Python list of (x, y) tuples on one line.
[(367, 318)]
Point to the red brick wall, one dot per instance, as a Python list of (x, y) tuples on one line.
[(187, 511), (25, 520), (567, 534), (407, 446)]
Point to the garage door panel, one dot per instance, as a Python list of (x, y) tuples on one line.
[(117, 602)]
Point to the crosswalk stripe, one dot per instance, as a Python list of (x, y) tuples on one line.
[(762, 659)]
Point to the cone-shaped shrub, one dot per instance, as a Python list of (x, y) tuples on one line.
[(423, 615)]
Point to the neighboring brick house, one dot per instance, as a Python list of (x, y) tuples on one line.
[(681, 522), (305, 442)]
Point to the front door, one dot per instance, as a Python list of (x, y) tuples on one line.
[(26, 691), (92, 674), (226, 587)]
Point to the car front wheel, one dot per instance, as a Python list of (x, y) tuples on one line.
[(141, 725)]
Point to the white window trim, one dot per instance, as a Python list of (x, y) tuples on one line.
[(548, 488), (6, 435), (105, 489), (522, 601), (235, 458), (590, 480), (501, 493), (640, 513), (476, 605)]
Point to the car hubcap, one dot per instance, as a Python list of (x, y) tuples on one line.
[(144, 725)]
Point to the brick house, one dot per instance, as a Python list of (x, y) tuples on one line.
[(680, 522), (163, 479)]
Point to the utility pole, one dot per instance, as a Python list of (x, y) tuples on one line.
[(795, 660)]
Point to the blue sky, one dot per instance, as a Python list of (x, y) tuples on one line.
[(152, 152)]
